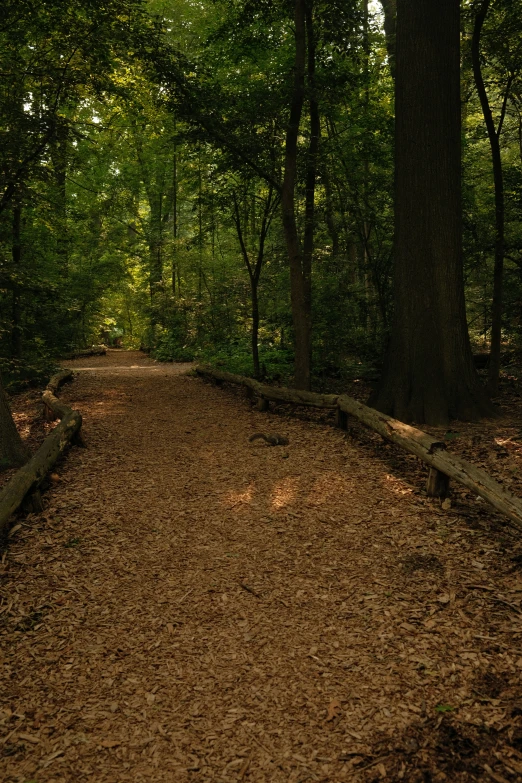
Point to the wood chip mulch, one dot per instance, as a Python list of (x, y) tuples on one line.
[(191, 606)]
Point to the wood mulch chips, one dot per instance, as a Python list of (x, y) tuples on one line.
[(191, 606)]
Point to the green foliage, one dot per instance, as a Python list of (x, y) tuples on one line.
[(126, 164), (167, 348), (33, 370), (276, 363)]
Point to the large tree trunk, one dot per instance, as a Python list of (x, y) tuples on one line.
[(493, 136), (13, 451), (429, 374)]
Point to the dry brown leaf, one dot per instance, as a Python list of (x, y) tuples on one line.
[(334, 709), (29, 738), (110, 743), (149, 619)]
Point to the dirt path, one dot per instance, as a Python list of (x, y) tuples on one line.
[(194, 607)]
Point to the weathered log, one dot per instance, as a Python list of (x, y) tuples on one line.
[(26, 481), (272, 393), (57, 409), (54, 409), (424, 446), (30, 476), (58, 380), (94, 350), (433, 452)]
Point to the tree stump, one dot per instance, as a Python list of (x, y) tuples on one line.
[(341, 419), (437, 484), (262, 405)]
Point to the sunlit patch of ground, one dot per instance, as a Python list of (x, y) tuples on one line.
[(191, 607)]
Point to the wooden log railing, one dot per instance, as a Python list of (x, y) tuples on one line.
[(443, 464), (26, 482), (94, 350)]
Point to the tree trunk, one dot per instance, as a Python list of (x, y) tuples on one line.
[(298, 281), (174, 268), (311, 167), (255, 327), (59, 156), (254, 269), (429, 374), (16, 253), (498, 268), (13, 451)]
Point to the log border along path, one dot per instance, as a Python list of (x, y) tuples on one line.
[(433, 452), (193, 607), (24, 486)]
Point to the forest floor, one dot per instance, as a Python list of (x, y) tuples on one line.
[(191, 606)]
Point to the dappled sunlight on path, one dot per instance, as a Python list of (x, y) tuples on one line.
[(195, 607)]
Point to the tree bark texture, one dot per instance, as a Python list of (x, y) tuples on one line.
[(429, 374), (498, 178), (13, 451)]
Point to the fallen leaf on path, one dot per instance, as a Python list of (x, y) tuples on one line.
[(334, 709), (110, 743)]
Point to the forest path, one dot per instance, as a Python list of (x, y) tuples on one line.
[(195, 607)]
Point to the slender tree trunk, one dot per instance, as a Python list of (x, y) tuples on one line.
[(390, 14), (155, 258), (16, 253), (366, 228), (254, 270), (429, 374), (298, 280), (58, 149), (255, 326), (331, 223), (174, 221), (13, 451), (311, 164), (498, 268)]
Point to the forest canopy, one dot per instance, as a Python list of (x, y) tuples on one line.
[(214, 180)]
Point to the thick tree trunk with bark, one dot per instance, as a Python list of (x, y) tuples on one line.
[(429, 374), (13, 451)]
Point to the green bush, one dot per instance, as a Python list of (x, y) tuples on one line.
[(276, 363)]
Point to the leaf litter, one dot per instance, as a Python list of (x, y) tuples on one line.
[(192, 607)]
